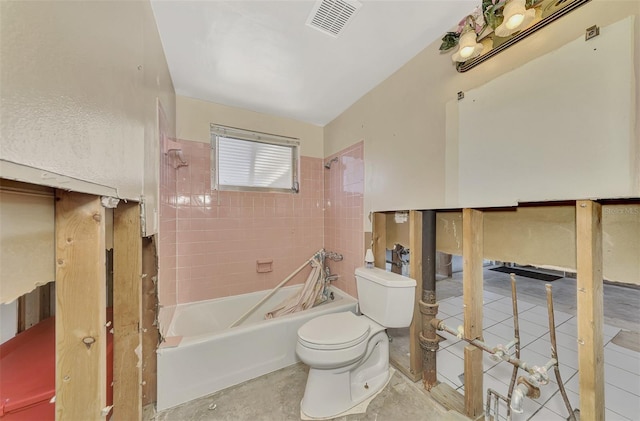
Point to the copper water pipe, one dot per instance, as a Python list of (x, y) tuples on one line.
[(554, 352)]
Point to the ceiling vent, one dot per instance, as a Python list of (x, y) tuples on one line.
[(332, 16)]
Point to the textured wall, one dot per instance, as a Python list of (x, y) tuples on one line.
[(79, 87)]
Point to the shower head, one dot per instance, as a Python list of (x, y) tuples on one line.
[(328, 164)]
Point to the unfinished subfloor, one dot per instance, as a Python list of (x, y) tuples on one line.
[(277, 396)]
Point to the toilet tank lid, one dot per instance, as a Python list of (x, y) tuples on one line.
[(388, 279)]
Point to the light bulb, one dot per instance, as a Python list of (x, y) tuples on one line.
[(466, 51), (467, 44), (514, 21)]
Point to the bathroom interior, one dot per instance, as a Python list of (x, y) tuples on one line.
[(160, 276)]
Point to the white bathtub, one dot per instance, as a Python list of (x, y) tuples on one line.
[(211, 357)]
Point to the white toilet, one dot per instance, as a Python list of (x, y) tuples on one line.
[(348, 355)]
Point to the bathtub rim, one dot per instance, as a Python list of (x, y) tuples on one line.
[(345, 300)]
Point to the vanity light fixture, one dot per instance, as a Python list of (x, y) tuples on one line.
[(496, 25)]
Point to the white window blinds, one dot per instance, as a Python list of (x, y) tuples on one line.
[(253, 164)]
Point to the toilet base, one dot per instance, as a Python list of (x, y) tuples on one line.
[(359, 408), (330, 392)]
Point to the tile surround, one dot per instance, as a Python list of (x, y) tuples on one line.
[(344, 207), (167, 232), (210, 241)]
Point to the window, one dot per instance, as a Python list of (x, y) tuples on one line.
[(244, 160)]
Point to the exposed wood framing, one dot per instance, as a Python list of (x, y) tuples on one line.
[(80, 307), (150, 334), (127, 309), (415, 272), (47, 293), (472, 256), (590, 309), (444, 266), (380, 239)]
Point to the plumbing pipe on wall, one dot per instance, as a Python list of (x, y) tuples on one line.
[(428, 305)]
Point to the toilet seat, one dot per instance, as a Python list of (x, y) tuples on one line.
[(334, 331)]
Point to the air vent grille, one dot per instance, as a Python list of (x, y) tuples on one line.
[(332, 16)]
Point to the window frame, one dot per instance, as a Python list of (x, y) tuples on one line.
[(218, 131)]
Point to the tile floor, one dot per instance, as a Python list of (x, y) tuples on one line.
[(622, 366)]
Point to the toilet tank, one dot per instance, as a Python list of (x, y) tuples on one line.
[(385, 297)]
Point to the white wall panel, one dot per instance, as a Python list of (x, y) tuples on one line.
[(559, 127)]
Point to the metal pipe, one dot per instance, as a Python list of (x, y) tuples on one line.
[(428, 305), (440, 325), (328, 164), (554, 352), (429, 256), (516, 332)]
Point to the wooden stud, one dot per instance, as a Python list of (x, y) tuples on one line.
[(415, 272), (22, 314), (472, 256), (473, 387), (590, 309), (150, 333), (380, 239), (127, 310), (81, 341), (45, 291)]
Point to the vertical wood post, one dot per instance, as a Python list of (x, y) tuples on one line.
[(472, 253), (415, 272), (127, 310), (150, 334), (590, 309), (81, 364), (380, 240)]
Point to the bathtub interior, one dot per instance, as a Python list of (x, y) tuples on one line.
[(210, 316)]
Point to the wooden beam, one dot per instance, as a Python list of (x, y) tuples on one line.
[(590, 309), (150, 333), (415, 272), (472, 256), (81, 341), (380, 239), (127, 311)]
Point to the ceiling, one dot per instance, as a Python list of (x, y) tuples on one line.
[(261, 56)]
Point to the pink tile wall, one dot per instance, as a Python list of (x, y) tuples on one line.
[(343, 218), (221, 235), (167, 262)]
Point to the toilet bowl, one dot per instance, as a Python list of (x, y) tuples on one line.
[(348, 355)]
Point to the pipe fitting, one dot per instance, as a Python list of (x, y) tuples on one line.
[(436, 324), (428, 309)]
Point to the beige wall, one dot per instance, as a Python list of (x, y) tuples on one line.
[(194, 116), (26, 239), (79, 82), (545, 236), (403, 120)]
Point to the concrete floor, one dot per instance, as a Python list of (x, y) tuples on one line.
[(276, 396)]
